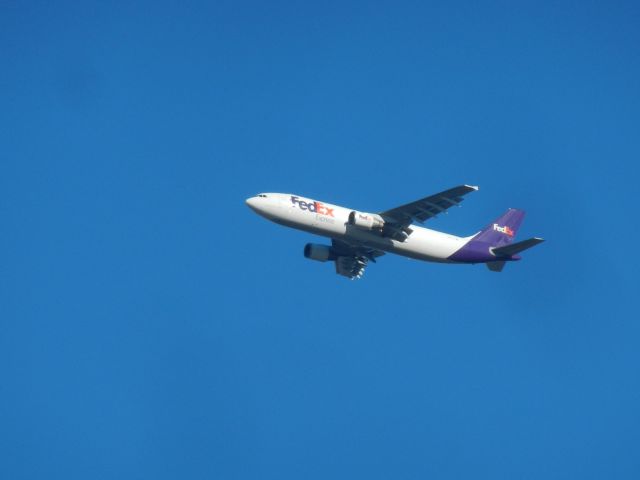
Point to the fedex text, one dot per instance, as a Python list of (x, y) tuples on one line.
[(315, 207), (504, 229)]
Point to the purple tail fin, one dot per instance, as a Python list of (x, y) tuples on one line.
[(503, 230)]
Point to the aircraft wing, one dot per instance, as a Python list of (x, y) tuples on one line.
[(398, 219), (351, 259)]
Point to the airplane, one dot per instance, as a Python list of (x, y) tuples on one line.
[(359, 237)]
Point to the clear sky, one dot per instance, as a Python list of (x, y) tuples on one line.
[(152, 326)]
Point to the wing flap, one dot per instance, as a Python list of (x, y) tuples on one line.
[(351, 259), (351, 267), (430, 206), (423, 209)]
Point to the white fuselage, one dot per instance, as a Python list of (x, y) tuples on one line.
[(332, 221)]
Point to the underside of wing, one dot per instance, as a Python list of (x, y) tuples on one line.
[(351, 259), (398, 219)]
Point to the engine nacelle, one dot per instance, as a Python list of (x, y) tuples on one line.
[(321, 253), (366, 221)]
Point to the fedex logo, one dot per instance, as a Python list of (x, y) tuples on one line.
[(315, 207), (504, 229)]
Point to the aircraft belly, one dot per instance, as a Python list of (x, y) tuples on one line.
[(422, 244), (429, 244)]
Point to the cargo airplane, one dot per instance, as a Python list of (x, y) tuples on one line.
[(359, 237)]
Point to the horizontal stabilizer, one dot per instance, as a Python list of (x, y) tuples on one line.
[(496, 266), (514, 248)]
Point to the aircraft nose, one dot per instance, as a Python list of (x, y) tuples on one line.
[(252, 202)]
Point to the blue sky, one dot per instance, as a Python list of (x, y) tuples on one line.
[(154, 327)]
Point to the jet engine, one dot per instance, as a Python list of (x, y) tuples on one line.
[(321, 253), (366, 221)]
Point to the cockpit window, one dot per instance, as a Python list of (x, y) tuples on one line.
[(262, 195)]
